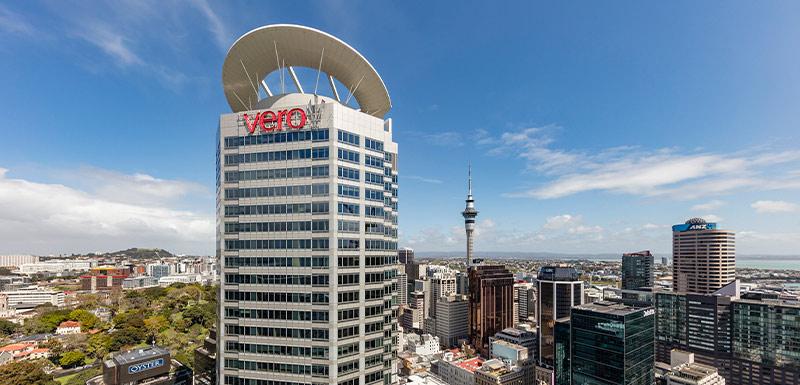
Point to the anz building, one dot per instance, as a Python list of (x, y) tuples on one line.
[(306, 215)]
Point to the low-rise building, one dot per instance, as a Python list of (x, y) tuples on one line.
[(459, 371), (139, 282), (151, 365), (69, 327), (32, 295), (496, 372), (684, 371)]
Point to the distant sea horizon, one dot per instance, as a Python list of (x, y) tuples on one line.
[(787, 262)]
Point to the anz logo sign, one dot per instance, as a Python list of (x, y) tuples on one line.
[(649, 312), (138, 368)]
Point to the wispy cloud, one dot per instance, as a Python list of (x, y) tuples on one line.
[(423, 179), (215, 24), (768, 207), (12, 22), (633, 170), (111, 42), (444, 138)]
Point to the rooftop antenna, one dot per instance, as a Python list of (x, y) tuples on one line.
[(319, 69)]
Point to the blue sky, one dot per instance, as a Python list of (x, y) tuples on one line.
[(591, 127)]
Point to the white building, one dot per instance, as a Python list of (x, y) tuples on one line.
[(56, 266), (33, 295), (17, 260), (687, 372), (68, 327), (423, 345), (307, 198), (181, 278)]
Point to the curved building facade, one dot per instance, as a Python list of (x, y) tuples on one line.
[(703, 257), (306, 218)]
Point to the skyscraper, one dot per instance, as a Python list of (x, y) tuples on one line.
[(612, 344), (470, 213), (559, 289), (637, 270), (306, 217), (491, 304), (703, 257)]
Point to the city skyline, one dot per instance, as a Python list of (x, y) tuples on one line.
[(600, 136)]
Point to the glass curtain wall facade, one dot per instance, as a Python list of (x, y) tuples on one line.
[(558, 290), (612, 344), (307, 239), (491, 304)]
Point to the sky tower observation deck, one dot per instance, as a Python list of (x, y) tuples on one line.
[(306, 214)]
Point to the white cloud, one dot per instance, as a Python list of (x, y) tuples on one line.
[(710, 205), (763, 207), (561, 221), (54, 218), (635, 171), (711, 218)]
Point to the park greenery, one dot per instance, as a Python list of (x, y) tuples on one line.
[(177, 317)]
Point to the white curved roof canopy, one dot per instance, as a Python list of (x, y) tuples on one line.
[(252, 57)]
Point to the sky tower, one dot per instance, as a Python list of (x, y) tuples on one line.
[(469, 217)]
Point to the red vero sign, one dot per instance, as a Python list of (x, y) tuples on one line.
[(271, 121)]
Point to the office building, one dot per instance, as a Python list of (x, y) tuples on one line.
[(525, 296), (158, 270), (55, 266), (521, 337), (150, 365), (451, 320), (558, 290), (491, 304), (469, 214), (17, 260), (402, 289), (684, 371), (462, 281), (697, 323), (612, 344), (765, 339), (637, 270), (441, 286), (307, 216), (563, 337), (104, 278), (703, 257), (32, 296), (749, 339), (497, 372), (405, 255)]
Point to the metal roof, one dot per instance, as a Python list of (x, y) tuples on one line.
[(274, 47)]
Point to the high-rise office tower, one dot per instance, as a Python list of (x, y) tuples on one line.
[(402, 289), (405, 255), (637, 270), (306, 215), (451, 320), (612, 344), (703, 257), (491, 304), (559, 289), (751, 339), (525, 295), (442, 285), (470, 213)]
